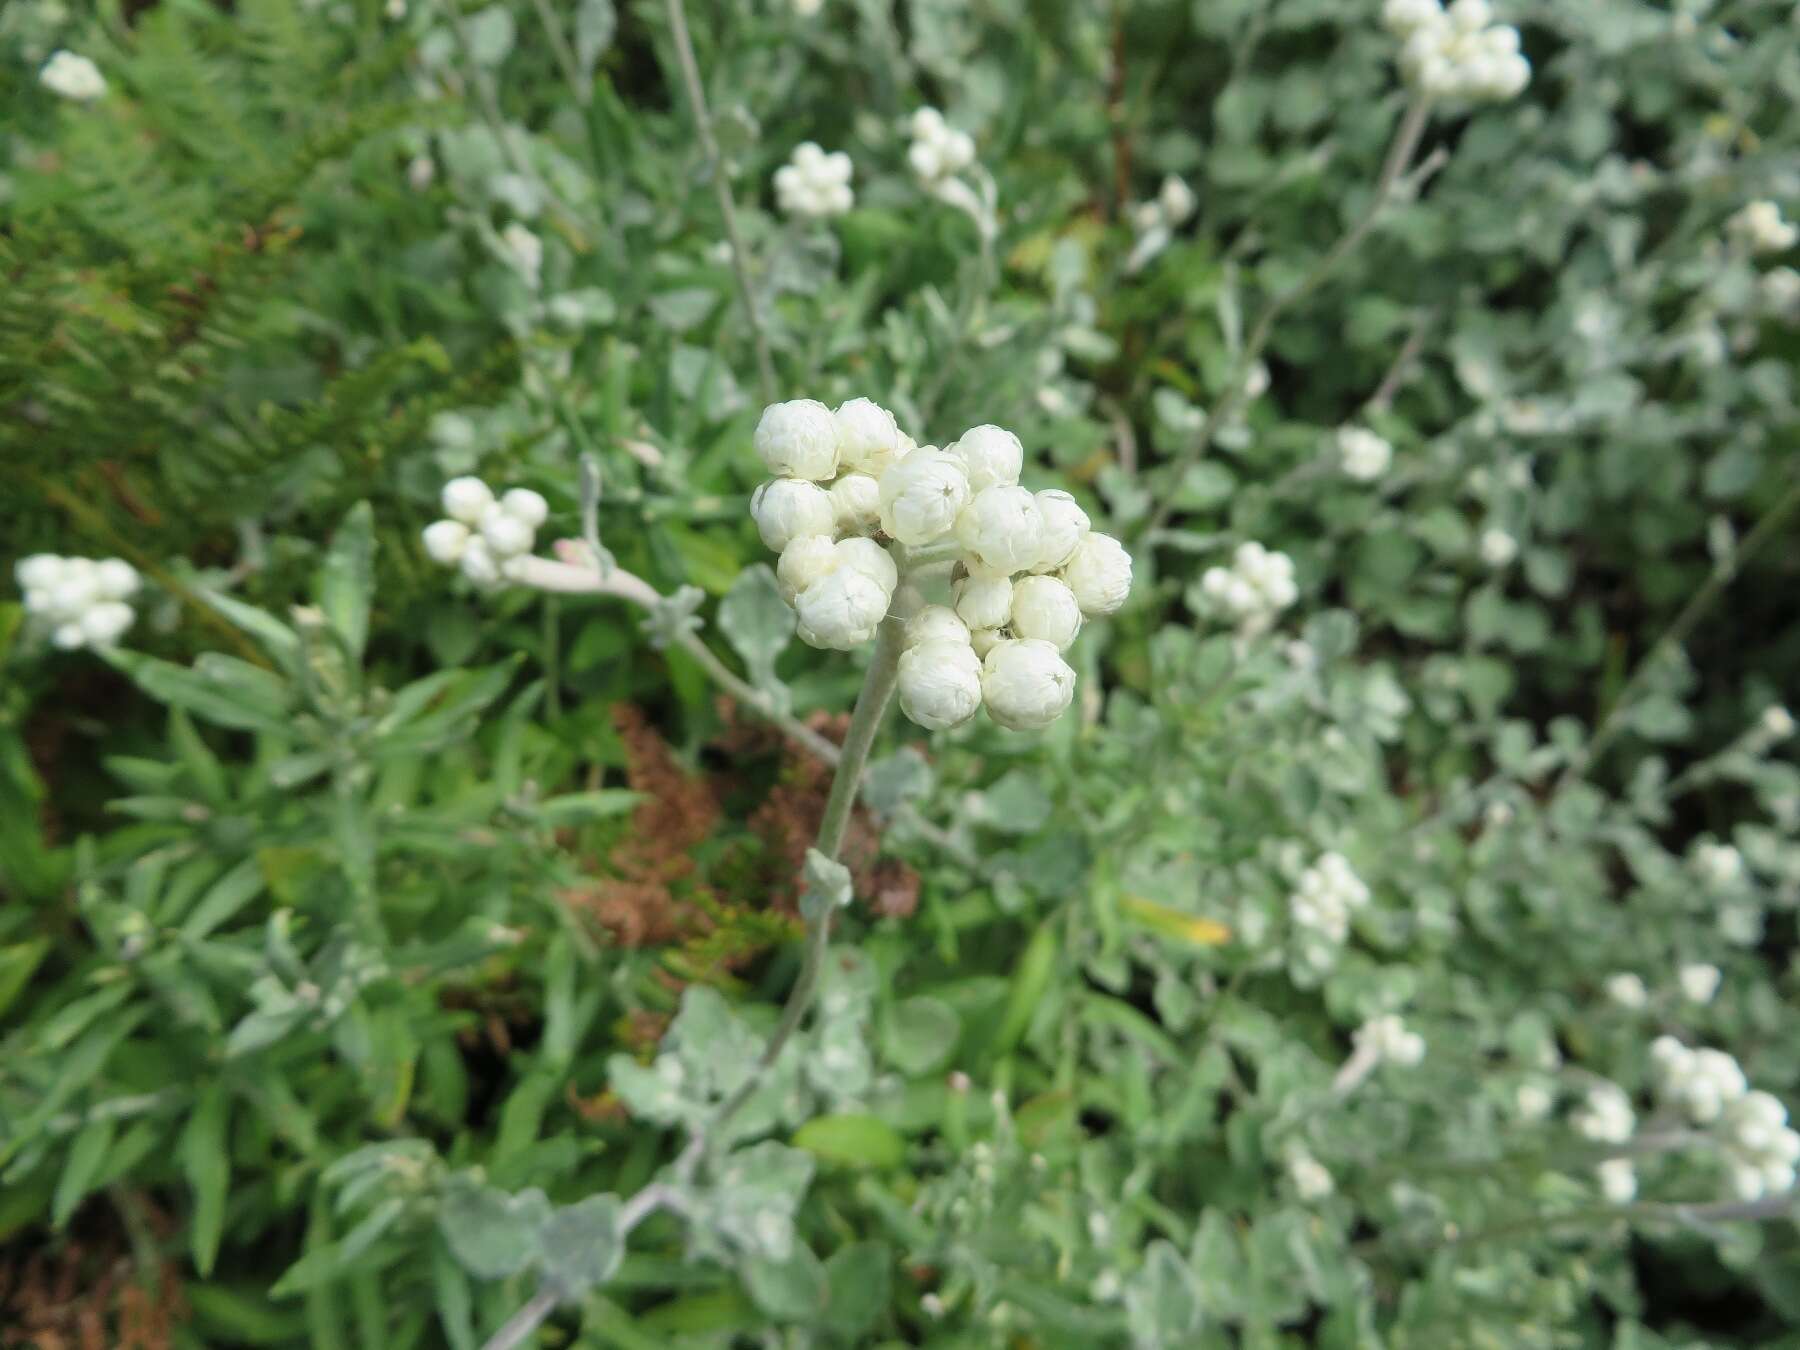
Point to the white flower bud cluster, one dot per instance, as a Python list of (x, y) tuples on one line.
[(1173, 203), (525, 251), (1699, 981), (1701, 1082), (1497, 547), (1606, 1117), (1627, 991), (1718, 865), (1779, 291), (1759, 228), (1776, 723), (1385, 1040), (938, 150), (1311, 1179), (1459, 52), (1364, 455), (484, 535), (1760, 1147), (1030, 571), (1533, 1101), (1618, 1180), (814, 185), (81, 601), (1257, 586), (1327, 894), (72, 77)]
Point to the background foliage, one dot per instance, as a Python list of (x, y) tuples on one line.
[(339, 941)]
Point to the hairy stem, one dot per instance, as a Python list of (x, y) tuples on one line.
[(1399, 156), (696, 97), (525, 1321)]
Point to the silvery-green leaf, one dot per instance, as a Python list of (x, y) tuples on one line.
[(920, 1034), (595, 23), (581, 1245), (827, 886), (793, 1290), (491, 32), (1162, 1299), (491, 1234), (893, 780), (758, 622)]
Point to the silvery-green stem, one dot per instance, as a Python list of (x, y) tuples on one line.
[(1400, 153), (696, 97), (525, 1321)]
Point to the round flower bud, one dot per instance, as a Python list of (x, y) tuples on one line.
[(106, 622), (75, 591), (40, 571), (445, 541), (1099, 572), (984, 640), (116, 579), (991, 454), (869, 558), (479, 564), (940, 683), (1002, 528), (868, 439), (525, 506), (1065, 526), (1044, 608), (805, 560), (842, 609), (984, 602), (856, 502), (68, 636), (936, 623), (922, 494), (1025, 684), (798, 439), (787, 508), (467, 500), (506, 535)]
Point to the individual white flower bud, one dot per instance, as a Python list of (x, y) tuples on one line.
[(1776, 722), (1099, 572), (1002, 528), (1699, 982), (1065, 526), (1364, 455), (1403, 17), (936, 623), (38, 572), (1175, 199), (785, 509), (525, 506), (984, 601), (940, 683), (1498, 548), (1026, 684), (76, 590), (479, 564), (1311, 1179), (991, 454), (798, 439), (445, 540), (507, 536), (1533, 1101), (922, 495), (1470, 16), (1618, 1180), (984, 640), (842, 609), (856, 502), (868, 439), (525, 250), (467, 500), (1627, 991), (804, 561), (105, 622), (72, 77), (1046, 609), (115, 579), (869, 558), (68, 636)]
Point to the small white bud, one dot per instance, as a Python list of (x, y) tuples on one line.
[(1002, 528), (40, 571), (1777, 722), (868, 439), (1026, 684), (798, 439), (787, 508), (940, 683), (842, 609), (115, 579), (1065, 526), (68, 636), (1099, 573), (525, 506), (1498, 548), (1364, 455), (856, 502), (445, 540), (922, 495), (479, 564), (72, 77), (869, 558), (984, 602), (805, 560), (1627, 991), (984, 640), (1699, 982), (1618, 1180), (936, 623), (507, 536), (1046, 609), (105, 622), (991, 454), (467, 500)]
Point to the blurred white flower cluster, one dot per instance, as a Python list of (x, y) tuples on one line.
[(483, 535), (1386, 1040), (1759, 228), (1459, 52), (1364, 455), (81, 601), (1749, 1127), (1327, 894), (814, 185), (850, 484), (938, 150), (1257, 586), (1157, 220), (72, 77)]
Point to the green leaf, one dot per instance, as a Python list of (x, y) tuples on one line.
[(218, 688), (206, 1162), (920, 1034), (793, 1290), (492, 1234), (17, 962), (860, 1277), (346, 582), (758, 622), (224, 898), (86, 1154), (852, 1141), (1163, 1299), (581, 1245), (1031, 977), (326, 1263), (576, 808)]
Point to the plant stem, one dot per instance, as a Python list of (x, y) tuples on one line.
[(525, 1321), (1399, 156), (696, 96), (1677, 633), (564, 53)]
